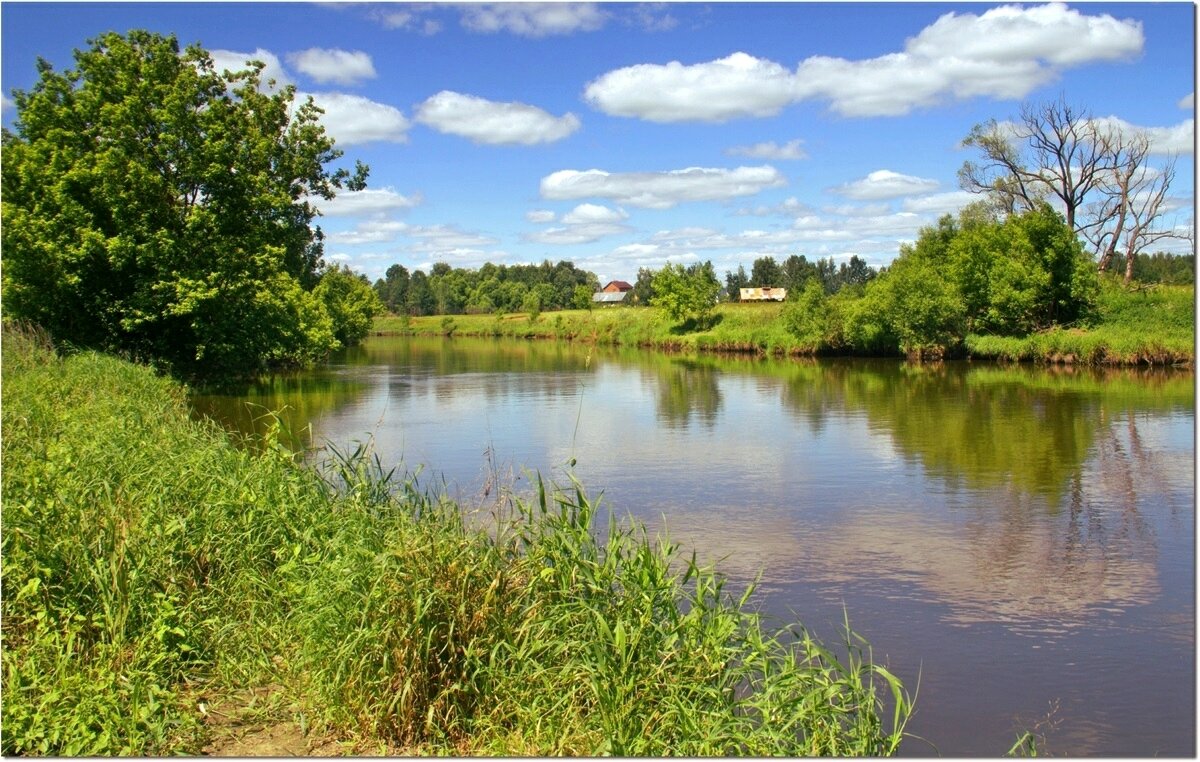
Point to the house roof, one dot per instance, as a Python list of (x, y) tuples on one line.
[(619, 284), (609, 296)]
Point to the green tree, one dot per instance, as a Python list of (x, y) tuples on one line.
[(643, 288), (765, 272), (350, 302), (734, 283), (796, 271), (156, 207), (807, 316), (686, 293), (393, 288), (582, 299)]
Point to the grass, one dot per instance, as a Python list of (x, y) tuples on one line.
[(733, 328), (149, 564), (1148, 325)]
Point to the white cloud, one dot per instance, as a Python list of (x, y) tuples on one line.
[(366, 203), (369, 231), (349, 119), (343, 67), (576, 234), (534, 19), (883, 184), (1004, 53), (790, 151), (1052, 32), (445, 239), (1180, 139), (234, 62), (493, 123), (660, 190), (1188, 102), (583, 224), (540, 216), (940, 203), (7, 105), (353, 119), (593, 213), (737, 86)]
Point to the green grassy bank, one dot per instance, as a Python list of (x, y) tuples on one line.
[(1152, 325), (152, 569)]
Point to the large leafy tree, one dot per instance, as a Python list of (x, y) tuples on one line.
[(686, 293), (155, 206)]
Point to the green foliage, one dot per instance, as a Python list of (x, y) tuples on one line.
[(808, 317), (455, 291), (350, 302), (145, 554), (766, 273), (686, 293), (921, 308), (1162, 267), (734, 283), (532, 305), (155, 207), (582, 300)]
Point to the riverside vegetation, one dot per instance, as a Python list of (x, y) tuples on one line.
[(1146, 324), (151, 567)]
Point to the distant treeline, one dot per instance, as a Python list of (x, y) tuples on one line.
[(491, 288), (1176, 269)]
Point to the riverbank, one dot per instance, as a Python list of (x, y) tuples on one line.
[(1153, 325), (158, 578)]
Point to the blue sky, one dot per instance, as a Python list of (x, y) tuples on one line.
[(620, 136)]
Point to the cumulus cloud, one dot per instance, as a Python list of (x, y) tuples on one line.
[(369, 231), (660, 190), (540, 216), (343, 67), (353, 119), (533, 19), (883, 184), (234, 61), (570, 235), (1005, 52), (737, 86), (350, 119), (493, 123), (1180, 139), (7, 105), (445, 239), (366, 203), (583, 224), (790, 151), (940, 203), (1053, 33), (1188, 102), (593, 213)]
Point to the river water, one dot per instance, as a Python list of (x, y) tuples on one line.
[(1019, 542)]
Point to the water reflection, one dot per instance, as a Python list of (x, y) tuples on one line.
[(1038, 516), (293, 400), (687, 389)]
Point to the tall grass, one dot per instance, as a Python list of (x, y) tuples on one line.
[(147, 562)]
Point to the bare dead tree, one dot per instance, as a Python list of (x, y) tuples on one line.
[(1145, 203), (1109, 194), (1053, 150)]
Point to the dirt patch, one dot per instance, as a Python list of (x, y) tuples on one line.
[(257, 723)]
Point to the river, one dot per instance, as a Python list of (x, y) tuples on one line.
[(1019, 542)]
